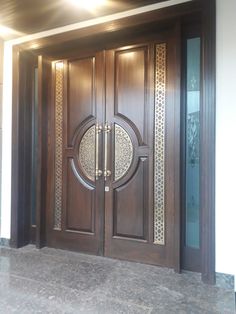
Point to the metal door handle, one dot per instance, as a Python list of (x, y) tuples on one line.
[(98, 172), (107, 130)]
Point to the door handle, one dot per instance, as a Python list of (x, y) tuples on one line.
[(107, 130), (98, 172)]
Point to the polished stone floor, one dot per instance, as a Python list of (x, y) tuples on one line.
[(55, 281)]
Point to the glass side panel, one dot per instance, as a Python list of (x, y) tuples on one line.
[(193, 144)]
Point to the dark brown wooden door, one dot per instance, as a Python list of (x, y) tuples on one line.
[(142, 109), (76, 202), (115, 153)]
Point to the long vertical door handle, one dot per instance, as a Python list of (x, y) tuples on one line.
[(98, 172), (107, 130)]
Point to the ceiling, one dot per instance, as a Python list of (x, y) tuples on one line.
[(32, 16)]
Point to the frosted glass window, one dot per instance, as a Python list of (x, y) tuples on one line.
[(192, 205)]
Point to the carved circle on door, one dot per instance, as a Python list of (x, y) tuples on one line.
[(123, 152), (87, 153)]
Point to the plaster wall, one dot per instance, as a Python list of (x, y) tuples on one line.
[(1, 89), (225, 137)]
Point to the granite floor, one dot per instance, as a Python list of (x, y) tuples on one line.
[(55, 281)]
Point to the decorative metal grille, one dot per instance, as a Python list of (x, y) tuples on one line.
[(123, 152), (58, 143), (193, 127), (159, 145), (87, 153)]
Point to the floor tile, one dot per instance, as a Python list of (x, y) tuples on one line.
[(56, 281)]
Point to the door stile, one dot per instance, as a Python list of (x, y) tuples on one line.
[(177, 140), (150, 123), (109, 98), (101, 118), (67, 151)]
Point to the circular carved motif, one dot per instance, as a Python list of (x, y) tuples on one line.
[(87, 153), (123, 152)]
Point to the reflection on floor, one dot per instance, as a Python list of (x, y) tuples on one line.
[(55, 281)]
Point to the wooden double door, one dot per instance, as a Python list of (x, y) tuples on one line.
[(113, 177)]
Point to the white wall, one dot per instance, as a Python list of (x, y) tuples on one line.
[(6, 142), (226, 138), (1, 87)]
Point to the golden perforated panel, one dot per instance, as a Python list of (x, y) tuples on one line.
[(159, 149), (58, 143), (123, 152), (87, 153)]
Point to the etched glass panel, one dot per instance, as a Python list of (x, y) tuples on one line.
[(159, 145), (87, 153), (123, 152), (192, 168), (58, 143)]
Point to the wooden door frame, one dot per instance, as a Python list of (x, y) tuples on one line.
[(206, 9)]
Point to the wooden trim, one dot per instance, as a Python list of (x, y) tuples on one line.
[(33, 154), (21, 148), (44, 81), (38, 184), (208, 140), (156, 16), (177, 117), (15, 208)]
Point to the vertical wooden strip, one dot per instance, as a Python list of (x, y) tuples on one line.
[(177, 105), (41, 150), (208, 141), (16, 240)]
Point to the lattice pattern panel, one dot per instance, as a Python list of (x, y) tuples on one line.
[(58, 143), (159, 145), (87, 153), (123, 152)]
